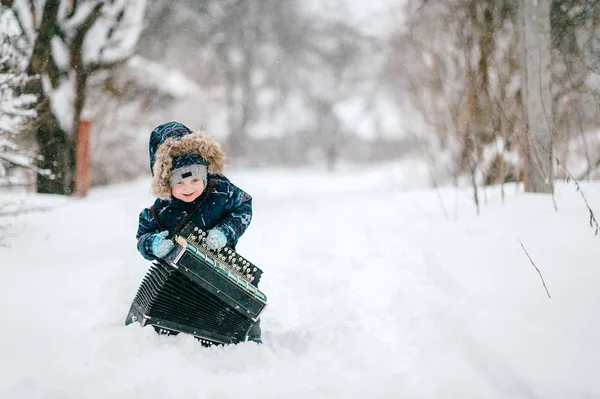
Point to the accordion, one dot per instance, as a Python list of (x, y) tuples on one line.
[(211, 295)]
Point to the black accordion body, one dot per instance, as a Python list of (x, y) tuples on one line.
[(211, 295)]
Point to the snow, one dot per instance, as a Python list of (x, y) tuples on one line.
[(61, 54), (168, 80), (100, 46), (23, 10), (373, 292), (63, 99)]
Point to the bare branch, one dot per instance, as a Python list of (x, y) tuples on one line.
[(98, 66), (24, 165), (536, 268), (593, 221), (77, 42)]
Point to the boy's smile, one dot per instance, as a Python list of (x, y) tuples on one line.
[(188, 189)]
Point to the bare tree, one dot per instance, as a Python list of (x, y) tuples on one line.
[(335, 75), (450, 63), (459, 62), (248, 47), (265, 60), (70, 40)]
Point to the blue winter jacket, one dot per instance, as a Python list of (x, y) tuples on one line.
[(224, 206)]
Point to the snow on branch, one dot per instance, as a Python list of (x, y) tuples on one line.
[(16, 109), (113, 36), (74, 39)]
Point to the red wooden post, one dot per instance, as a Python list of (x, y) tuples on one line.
[(83, 177)]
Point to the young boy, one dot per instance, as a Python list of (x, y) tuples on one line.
[(186, 171)]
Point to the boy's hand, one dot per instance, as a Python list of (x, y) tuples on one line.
[(160, 245), (215, 239)]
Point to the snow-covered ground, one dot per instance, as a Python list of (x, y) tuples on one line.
[(374, 291)]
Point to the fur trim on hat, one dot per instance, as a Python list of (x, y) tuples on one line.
[(194, 143)]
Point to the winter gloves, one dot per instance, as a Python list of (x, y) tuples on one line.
[(215, 239), (160, 245)]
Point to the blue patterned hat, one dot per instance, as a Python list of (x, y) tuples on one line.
[(160, 134)]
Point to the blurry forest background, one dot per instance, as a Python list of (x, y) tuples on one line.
[(294, 83)]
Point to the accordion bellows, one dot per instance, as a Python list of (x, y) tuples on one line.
[(209, 294)]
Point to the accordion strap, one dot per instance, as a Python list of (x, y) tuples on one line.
[(180, 225), (161, 226)]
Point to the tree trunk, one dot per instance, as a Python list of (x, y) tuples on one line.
[(538, 97), (56, 149), (329, 133), (57, 154), (248, 34), (238, 139)]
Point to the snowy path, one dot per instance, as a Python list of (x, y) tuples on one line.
[(372, 293)]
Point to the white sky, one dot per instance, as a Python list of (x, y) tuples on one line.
[(376, 17)]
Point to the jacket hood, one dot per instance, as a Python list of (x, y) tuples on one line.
[(173, 140)]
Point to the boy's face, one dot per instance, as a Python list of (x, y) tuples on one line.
[(188, 189)]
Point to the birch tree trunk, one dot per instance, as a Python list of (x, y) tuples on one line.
[(537, 80)]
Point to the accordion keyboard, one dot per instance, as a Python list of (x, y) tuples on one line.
[(226, 256)]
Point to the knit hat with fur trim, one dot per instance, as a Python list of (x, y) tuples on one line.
[(175, 148)]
